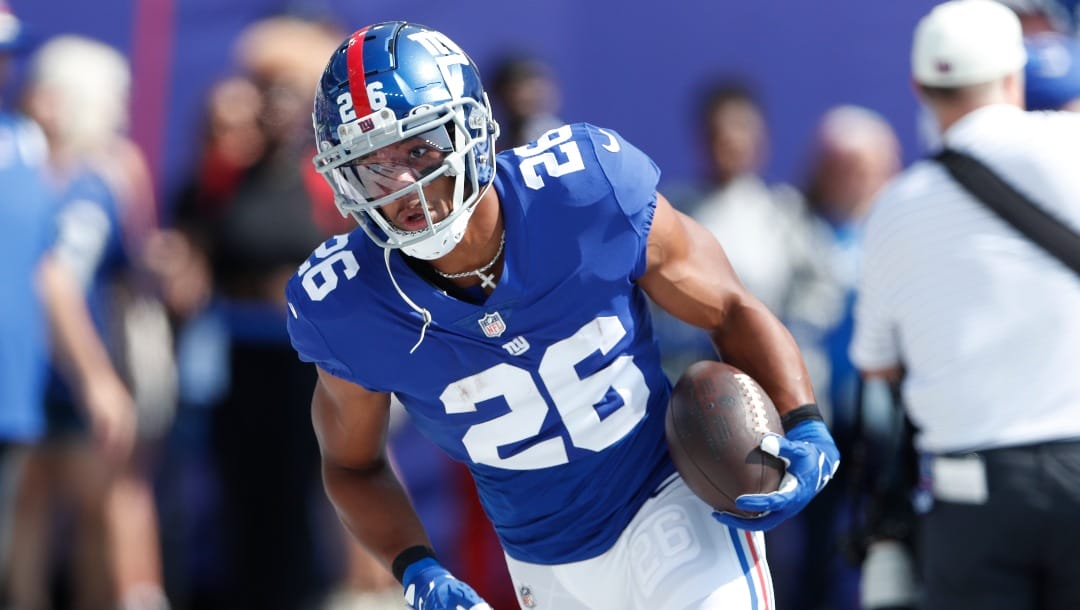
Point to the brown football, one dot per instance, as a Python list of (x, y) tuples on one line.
[(715, 422)]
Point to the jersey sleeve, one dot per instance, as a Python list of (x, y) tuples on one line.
[(633, 178), (88, 229), (306, 339)]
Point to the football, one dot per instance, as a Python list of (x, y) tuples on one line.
[(715, 421)]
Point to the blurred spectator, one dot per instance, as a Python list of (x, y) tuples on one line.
[(757, 224), (195, 541), (37, 293), (977, 325), (233, 142), (1052, 72), (107, 211), (525, 98), (1049, 27), (854, 154)]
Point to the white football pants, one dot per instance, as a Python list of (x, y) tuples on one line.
[(672, 556)]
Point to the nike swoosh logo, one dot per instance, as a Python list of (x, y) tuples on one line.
[(613, 146)]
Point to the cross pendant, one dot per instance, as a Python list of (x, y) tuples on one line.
[(486, 281)]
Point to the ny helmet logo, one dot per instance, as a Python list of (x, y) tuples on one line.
[(492, 324), (446, 54)]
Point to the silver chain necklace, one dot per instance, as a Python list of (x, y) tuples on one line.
[(486, 280)]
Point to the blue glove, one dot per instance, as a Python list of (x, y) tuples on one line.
[(810, 459), (429, 586)]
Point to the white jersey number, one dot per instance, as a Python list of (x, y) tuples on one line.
[(574, 398), (537, 154), (321, 278)]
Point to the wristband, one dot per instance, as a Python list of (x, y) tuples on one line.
[(807, 412), (408, 557)]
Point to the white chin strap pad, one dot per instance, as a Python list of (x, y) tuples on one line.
[(443, 241)]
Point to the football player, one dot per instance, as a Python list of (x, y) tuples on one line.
[(503, 299)]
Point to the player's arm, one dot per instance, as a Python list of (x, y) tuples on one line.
[(351, 424), (689, 275), (82, 359)]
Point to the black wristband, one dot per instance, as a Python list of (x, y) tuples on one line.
[(408, 557), (798, 415)]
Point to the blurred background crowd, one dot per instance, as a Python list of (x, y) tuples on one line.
[(170, 142)]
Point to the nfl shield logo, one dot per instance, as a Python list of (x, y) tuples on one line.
[(492, 324), (527, 597)]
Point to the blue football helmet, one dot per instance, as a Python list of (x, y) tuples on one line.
[(1063, 15), (1052, 72), (399, 106)]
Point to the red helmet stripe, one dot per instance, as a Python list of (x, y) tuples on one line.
[(354, 59)]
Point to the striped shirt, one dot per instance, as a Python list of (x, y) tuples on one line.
[(986, 324)]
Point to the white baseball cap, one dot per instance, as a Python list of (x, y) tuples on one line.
[(966, 42)]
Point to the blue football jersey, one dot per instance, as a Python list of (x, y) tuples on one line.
[(551, 390), (90, 243), (91, 237)]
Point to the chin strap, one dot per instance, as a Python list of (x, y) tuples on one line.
[(425, 314)]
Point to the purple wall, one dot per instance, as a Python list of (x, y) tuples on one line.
[(623, 64)]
